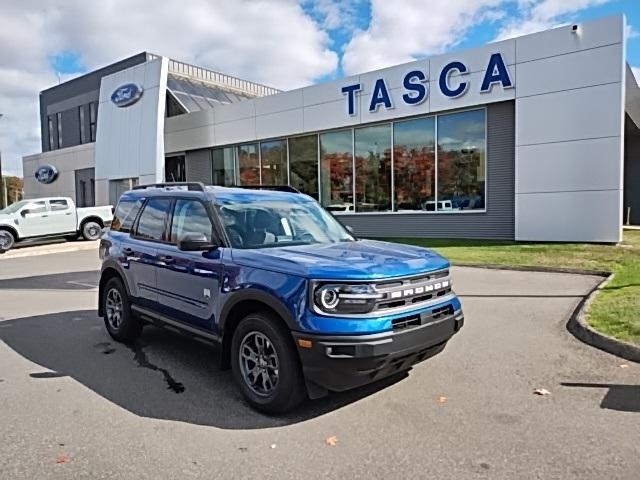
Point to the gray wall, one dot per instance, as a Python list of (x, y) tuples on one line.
[(499, 220), (631, 172), (68, 96), (198, 166)]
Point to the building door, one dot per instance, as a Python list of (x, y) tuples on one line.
[(174, 169), (85, 187)]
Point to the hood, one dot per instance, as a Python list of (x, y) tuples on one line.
[(6, 219), (360, 260)]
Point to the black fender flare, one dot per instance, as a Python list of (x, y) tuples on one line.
[(256, 295)]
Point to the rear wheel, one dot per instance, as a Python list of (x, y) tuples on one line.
[(121, 324), (265, 364), (7, 240), (91, 230)]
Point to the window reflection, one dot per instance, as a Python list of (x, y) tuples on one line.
[(223, 166), (249, 164), (303, 164), (373, 168), (336, 170), (274, 162), (414, 164), (461, 161)]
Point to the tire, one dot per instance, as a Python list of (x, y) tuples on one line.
[(91, 230), (121, 324), (7, 240), (288, 389)]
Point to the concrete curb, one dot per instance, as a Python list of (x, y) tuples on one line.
[(542, 269), (36, 251), (579, 327)]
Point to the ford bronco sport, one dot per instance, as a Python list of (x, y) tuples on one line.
[(299, 305)]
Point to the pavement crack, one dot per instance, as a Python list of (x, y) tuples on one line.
[(141, 359)]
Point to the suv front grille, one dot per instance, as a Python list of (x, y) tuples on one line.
[(413, 321), (412, 290)]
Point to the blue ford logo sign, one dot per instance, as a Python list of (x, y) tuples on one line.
[(46, 174), (126, 95)]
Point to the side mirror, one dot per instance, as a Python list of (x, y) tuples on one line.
[(349, 229), (23, 213), (195, 243)]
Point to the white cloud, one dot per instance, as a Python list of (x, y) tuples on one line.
[(336, 14), (268, 41), (630, 32), (537, 16), (636, 73), (402, 30)]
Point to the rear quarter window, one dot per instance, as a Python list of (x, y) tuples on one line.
[(125, 214)]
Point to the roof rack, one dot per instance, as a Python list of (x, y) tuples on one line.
[(277, 188), (195, 186)]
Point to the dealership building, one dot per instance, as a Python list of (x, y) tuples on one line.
[(534, 138)]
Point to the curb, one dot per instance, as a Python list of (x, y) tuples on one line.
[(54, 248), (579, 327), (516, 268)]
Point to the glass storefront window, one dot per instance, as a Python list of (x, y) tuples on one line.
[(248, 164), (223, 166), (274, 162), (336, 171), (373, 168), (303, 164), (414, 164), (461, 161)]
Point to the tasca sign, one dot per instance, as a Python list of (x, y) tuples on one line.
[(416, 85), (126, 95)]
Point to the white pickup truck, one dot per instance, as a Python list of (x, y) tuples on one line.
[(51, 217)]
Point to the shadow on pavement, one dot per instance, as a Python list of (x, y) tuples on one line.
[(625, 398), (58, 281), (164, 375)]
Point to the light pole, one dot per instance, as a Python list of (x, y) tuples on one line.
[(3, 194)]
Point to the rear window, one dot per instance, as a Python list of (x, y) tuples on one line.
[(125, 214), (152, 223)]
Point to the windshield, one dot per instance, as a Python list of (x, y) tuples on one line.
[(14, 207), (261, 223)]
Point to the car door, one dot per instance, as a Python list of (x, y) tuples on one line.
[(62, 218), (141, 250), (34, 218), (189, 282)]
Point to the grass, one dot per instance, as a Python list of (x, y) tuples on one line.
[(616, 310)]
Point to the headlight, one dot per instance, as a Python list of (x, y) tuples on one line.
[(345, 298)]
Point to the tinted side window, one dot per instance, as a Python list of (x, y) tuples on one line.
[(36, 207), (190, 218), (151, 225), (125, 214), (58, 205)]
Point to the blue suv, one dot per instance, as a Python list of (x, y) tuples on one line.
[(298, 304)]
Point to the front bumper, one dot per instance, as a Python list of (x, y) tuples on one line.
[(342, 362)]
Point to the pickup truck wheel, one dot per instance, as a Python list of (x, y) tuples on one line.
[(91, 230), (7, 240), (121, 324), (265, 364)]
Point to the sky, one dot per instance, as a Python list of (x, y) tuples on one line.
[(281, 43)]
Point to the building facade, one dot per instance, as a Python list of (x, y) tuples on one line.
[(532, 138)]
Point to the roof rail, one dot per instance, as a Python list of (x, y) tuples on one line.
[(195, 186), (277, 188)]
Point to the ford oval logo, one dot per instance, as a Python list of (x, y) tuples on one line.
[(46, 174), (126, 95)]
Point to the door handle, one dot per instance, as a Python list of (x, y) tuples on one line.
[(44, 216), (166, 258), (68, 213)]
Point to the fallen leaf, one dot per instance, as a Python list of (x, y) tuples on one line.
[(442, 400), (624, 365), (64, 458), (542, 391), (331, 441)]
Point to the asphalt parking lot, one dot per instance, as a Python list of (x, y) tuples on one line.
[(74, 404)]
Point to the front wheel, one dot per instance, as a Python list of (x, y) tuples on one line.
[(266, 365), (91, 230), (7, 240)]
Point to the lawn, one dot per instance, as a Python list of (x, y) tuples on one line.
[(616, 310)]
